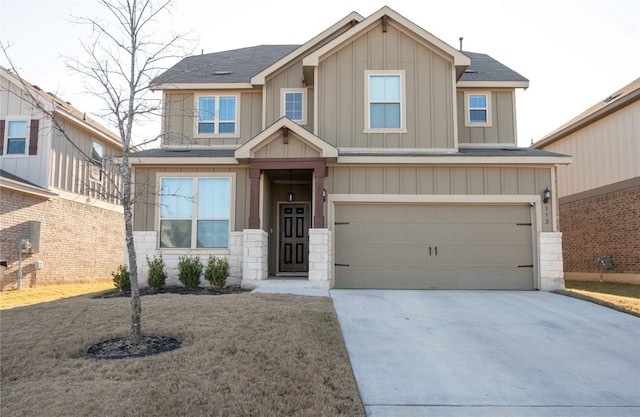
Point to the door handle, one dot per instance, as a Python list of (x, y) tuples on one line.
[(429, 250), (436, 251)]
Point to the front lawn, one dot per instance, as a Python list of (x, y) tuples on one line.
[(622, 297), (245, 355), (42, 294)]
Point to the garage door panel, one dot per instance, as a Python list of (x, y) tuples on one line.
[(471, 246)]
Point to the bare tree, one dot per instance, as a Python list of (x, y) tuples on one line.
[(118, 62)]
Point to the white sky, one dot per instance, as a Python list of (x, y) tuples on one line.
[(574, 52)]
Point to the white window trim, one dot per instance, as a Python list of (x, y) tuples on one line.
[(283, 94), (367, 108), (467, 110), (6, 153), (194, 230), (196, 118)]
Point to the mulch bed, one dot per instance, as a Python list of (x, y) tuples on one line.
[(175, 290), (121, 347)]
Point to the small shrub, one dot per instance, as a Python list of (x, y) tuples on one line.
[(217, 271), (157, 273), (189, 270), (122, 278)]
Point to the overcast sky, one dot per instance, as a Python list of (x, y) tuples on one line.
[(574, 52)]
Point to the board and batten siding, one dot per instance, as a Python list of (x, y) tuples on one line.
[(429, 92), (180, 117), (441, 180), (503, 126), (14, 102), (72, 171), (604, 152), (289, 77), (147, 193)]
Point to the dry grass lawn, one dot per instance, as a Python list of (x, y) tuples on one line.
[(622, 297), (246, 355), (29, 296)]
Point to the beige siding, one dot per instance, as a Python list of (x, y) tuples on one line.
[(502, 129), (72, 171), (604, 152), (147, 194), (179, 122), (439, 181), (289, 77), (294, 149), (33, 168), (429, 92)]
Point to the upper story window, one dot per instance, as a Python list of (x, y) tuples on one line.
[(217, 115), (16, 137), (477, 109), (97, 152), (195, 212), (293, 104), (385, 103)]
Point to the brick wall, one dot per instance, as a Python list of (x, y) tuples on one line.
[(77, 241), (605, 225)]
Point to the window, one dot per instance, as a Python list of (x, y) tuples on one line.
[(97, 157), (477, 109), (385, 101), (293, 104), (195, 212), (216, 115), (17, 137)]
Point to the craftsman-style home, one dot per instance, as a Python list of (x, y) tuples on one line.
[(373, 156)]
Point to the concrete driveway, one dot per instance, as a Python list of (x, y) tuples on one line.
[(489, 353)]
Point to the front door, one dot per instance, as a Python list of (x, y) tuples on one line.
[(294, 237)]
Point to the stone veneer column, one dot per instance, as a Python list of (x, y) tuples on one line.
[(255, 246), (235, 254), (551, 269), (320, 255)]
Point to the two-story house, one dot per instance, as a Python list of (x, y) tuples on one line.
[(60, 217), (599, 193), (373, 156)]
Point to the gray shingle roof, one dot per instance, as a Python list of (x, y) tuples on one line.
[(239, 65), (235, 66), (485, 68)]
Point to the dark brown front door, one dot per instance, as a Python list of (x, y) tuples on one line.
[(294, 237)]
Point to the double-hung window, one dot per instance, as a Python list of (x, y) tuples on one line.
[(477, 109), (195, 212), (293, 104), (384, 101), (217, 115), (16, 137)]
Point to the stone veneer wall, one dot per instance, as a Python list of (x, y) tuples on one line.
[(78, 242), (604, 225), (146, 245), (255, 249), (320, 256), (550, 250)]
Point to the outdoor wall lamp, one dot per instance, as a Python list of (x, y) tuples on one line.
[(324, 194), (291, 196), (546, 195)]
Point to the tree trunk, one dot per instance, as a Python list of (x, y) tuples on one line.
[(136, 310)]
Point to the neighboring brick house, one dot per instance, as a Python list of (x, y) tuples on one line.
[(373, 156), (59, 193), (599, 193)]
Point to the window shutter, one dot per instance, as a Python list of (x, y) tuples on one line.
[(33, 137), (2, 137)]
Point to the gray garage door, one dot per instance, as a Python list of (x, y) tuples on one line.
[(418, 246)]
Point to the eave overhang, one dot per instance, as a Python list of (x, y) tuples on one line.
[(23, 187)]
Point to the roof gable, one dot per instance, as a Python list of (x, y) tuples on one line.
[(260, 77), (307, 138), (628, 94), (458, 58)]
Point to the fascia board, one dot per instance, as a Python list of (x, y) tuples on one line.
[(260, 78), (458, 57)]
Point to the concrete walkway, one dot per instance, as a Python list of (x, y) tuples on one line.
[(485, 353)]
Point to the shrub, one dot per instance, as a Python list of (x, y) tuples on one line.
[(189, 270), (122, 278), (217, 271), (157, 273)]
